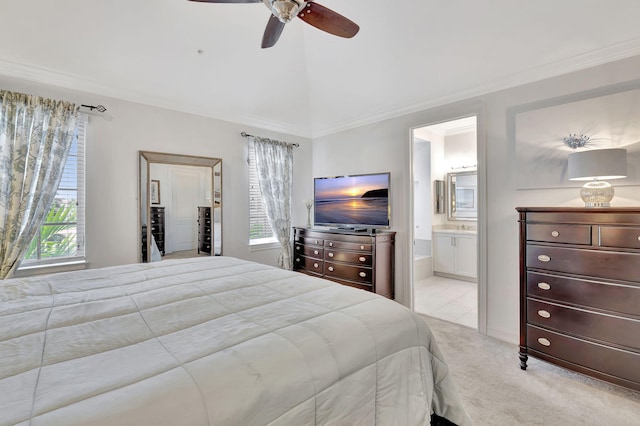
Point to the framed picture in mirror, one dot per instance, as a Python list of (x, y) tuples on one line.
[(155, 191)]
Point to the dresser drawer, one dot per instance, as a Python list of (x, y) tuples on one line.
[(204, 246), (348, 272), (620, 236), (618, 298), (612, 361), (205, 212), (367, 247), (311, 251), (565, 234), (596, 263), (348, 257), (308, 264), (309, 241), (585, 323)]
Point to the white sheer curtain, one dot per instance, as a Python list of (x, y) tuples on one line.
[(35, 137), (274, 162)]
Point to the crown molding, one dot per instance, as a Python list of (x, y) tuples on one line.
[(81, 84), (73, 82), (580, 62)]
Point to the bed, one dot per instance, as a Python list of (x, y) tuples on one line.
[(214, 341)]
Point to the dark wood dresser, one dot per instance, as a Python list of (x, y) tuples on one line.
[(204, 230), (157, 227), (580, 290), (358, 259)]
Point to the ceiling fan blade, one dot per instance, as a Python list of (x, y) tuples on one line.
[(327, 20), (272, 32), (228, 1)]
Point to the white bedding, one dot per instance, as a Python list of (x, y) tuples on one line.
[(213, 341)]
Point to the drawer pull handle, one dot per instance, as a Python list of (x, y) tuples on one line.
[(544, 286), (544, 314), (543, 341), (361, 247), (362, 259), (330, 268), (297, 247), (315, 265), (363, 274), (330, 255), (330, 244), (544, 258), (638, 237), (297, 260), (315, 252), (316, 241), (554, 233)]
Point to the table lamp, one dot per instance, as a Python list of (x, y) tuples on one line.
[(597, 166)]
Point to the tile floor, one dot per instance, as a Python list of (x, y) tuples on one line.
[(447, 299)]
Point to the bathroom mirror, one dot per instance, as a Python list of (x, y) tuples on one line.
[(438, 196), (462, 195), (180, 207)]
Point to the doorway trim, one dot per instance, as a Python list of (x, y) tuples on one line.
[(476, 109)]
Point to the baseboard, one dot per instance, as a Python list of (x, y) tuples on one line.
[(505, 336)]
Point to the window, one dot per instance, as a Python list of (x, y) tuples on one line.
[(60, 238), (260, 231)]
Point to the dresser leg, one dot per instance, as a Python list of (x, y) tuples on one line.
[(523, 360)]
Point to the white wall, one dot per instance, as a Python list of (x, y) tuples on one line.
[(113, 141), (385, 146), (423, 193), (115, 138)]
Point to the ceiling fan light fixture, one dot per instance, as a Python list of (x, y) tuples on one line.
[(284, 10)]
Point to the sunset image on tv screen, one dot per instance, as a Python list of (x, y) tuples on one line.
[(353, 200)]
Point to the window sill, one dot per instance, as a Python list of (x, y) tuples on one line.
[(264, 244), (72, 264)]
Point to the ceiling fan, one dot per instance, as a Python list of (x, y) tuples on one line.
[(283, 11)]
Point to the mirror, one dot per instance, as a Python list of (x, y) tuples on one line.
[(462, 195), (438, 196), (180, 206)]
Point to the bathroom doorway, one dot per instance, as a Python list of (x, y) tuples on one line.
[(445, 199)]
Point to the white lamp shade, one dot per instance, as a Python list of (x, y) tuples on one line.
[(600, 164)]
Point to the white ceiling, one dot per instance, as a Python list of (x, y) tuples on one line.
[(409, 54)]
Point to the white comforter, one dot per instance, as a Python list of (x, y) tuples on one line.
[(213, 341)]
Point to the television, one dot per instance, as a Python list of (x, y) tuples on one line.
[(352, 202)]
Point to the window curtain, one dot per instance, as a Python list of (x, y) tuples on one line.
[(35, 137), (274, 162)]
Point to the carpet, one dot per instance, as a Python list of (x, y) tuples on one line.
[(496, 391)]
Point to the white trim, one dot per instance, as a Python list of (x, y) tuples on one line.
[(611, 53), (69, 264), (479, 110)]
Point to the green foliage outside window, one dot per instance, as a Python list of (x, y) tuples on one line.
[(57, 235)]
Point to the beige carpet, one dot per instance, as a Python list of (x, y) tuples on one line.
[(497, 392)]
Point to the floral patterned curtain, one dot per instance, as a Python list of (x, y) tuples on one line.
[(274, 162), (35, 137)]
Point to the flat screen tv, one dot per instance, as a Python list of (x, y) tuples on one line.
[(352, 202)]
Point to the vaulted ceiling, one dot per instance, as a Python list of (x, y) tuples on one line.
[(409, 54)]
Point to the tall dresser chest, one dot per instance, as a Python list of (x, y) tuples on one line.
[(204, 230), (580, 290), (157, 227)]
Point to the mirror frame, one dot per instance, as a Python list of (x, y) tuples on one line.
[(144, 206), (451, 197)]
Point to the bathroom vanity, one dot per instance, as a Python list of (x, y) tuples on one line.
[(455, 253)]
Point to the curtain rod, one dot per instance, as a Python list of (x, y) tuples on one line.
[(247, 135), (99, 108)]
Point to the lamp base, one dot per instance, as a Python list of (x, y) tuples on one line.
[(597, 193)]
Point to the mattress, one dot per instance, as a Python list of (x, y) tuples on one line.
[(213, 341)]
